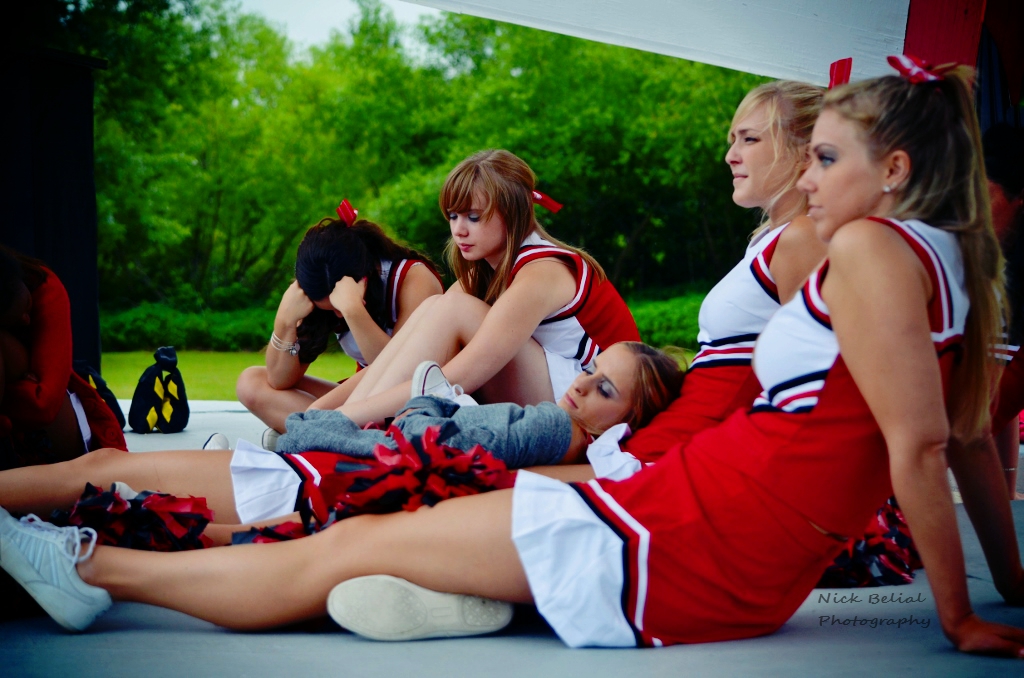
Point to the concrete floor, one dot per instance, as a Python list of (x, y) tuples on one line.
[(134, 639)]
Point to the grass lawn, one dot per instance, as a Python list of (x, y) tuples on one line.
[(208, 375)]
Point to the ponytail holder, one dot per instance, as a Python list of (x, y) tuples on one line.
[(916, 71), (347, 213), (839, 72), (546, 202)]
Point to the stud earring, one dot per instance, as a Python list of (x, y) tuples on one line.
[(887, 189)]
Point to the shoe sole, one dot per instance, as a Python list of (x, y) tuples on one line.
[(382, 607), (65, 609)]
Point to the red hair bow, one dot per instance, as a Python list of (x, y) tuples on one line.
[(918, 70), (347, 213), (546, 201), (839, 72)]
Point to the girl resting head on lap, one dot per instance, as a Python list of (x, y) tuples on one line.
[(526, 314)]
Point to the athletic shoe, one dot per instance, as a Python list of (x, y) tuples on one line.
[(124, 491), (217, 441), (381, 607), (428, 379), (42, 558), (269, 441)]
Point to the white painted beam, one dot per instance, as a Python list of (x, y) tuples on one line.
[(793, 39)]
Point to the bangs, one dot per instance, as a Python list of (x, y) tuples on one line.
[(459, 188)]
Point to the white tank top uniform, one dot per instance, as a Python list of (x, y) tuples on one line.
[(595, 318)]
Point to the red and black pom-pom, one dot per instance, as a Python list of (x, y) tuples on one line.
[(421, 472), (150, 521), (884, 556)]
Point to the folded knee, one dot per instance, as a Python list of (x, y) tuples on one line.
[(251, 382)]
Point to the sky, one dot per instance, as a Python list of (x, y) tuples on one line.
[(309, 22)]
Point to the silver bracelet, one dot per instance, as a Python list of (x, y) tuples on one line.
[(292, 347)]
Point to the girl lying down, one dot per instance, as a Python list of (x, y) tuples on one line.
[(630, 383)]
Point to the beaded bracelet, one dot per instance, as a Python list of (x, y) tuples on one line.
[(292, 347)]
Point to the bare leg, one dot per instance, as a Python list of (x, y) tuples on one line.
[(441, 330), (220, 534), (339, 394), (273, 406), (569, 473), (461, 545), (406, 347), (201, 473)]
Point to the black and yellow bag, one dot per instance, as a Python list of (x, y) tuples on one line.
[(159, 403)]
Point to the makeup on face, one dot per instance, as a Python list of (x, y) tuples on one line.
[(751, 159), (602, 396), (476, 237), (843, 182)]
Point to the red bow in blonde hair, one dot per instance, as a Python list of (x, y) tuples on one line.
[(546, 201), (917, 70), (839, 72), (347, 213)]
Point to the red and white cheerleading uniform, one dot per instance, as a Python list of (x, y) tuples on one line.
[(393, 276), (595, 318), (720, 379), (717, 540)]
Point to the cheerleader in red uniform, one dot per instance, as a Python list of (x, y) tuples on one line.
[(767, 152), (47, 412), (526, 316), (725, 537)]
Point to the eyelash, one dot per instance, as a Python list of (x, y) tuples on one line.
[(601, 388), (474, 218), (825, 159)]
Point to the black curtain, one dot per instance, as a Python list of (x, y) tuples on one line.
[(47, 186)]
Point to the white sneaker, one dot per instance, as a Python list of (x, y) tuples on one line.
[(269, 441), (428, 379), (382, 607), (42, 558), (217, 441), (124, 491)]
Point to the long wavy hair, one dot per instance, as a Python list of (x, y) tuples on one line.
[(507, 184), (791, 109), (935, 124), (331, 250)]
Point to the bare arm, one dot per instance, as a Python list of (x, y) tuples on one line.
[(347, 297), (799, 251), (539, 289), (877, 292), (979, 477), (284, 369), (472, 352)]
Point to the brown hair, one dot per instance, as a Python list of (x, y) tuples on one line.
[(934, 123), (507, 183), (791, 109), (659, 377)]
